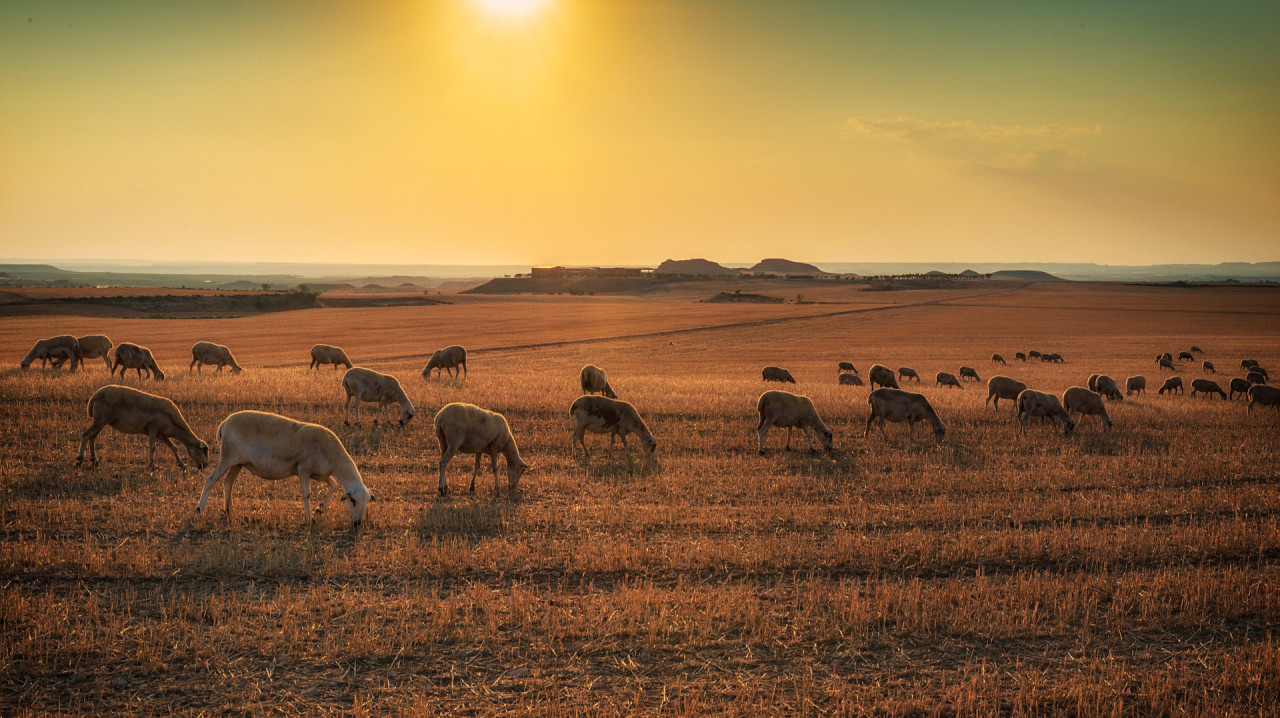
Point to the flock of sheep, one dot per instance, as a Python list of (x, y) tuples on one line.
[(276, 447)]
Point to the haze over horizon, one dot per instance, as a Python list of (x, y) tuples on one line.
[(617, 132)]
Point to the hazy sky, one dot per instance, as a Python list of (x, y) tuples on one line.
[(612, 131)]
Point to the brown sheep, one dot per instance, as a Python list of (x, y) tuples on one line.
[(1165, 363), (1197, 349), (997, 359), (1208, 387), (1135, 385), (326, 354), (1247, 363), (59, 350), (1257, 369), (209, 353), (602, 415), (1033, 354), (132, 356), (1256, 377), (1208, 367), (773, 373), (847, 366), (945, 379), (791, 411), (1172, 384), (896, 405), (906, 372), (1093, 382), (1002, 387), (1165, 355), (1054, 358), (594, 379), (451, 359), (1020, 356), (130, 411), (1186, 356), (1079, 400), (1265, 396), (93, 346), (968, 372), (1238, 386), (883, 376), (850, 380), (468, 429), (1106, 386), (1032, 403)]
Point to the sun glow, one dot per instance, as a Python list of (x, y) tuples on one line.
[(511, 8)]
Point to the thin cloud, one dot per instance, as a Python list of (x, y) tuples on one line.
[(1010, 148)]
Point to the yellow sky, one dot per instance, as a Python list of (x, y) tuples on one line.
[(612, 131)]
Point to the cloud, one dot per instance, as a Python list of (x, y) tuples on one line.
[(1009, 148)]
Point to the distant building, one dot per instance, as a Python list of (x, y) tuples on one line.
[(559, 271)]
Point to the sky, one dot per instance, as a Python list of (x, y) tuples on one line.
[(630, 131)]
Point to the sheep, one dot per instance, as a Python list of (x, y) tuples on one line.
[(1165, 363), (1093, 382), (969, 372), (773, 373), (1019, 356), (130, 411), (1032, 403), (92, 346), (792, 411), (1172, 384), (897, 405), (1260, 370), (58, 349), (850, 380), (997, 359), (847, 366), (1135, 385), (326, 354), (1238, 386), (1264, 395), (1165, 355), (1197, 349), (368, 385), (275, 447), (1208, 367), (602, 415), (882, 375), (1247, 363), (906, 372), (945, 379), (1079, 400), (1186, 356), (1256, 377), (469, 429), (593, 379), (1208, 387), (132, 356), (1033, 354), (209, 353), (1055, 358), (1106, 386), (1002, 387), (452, 359)]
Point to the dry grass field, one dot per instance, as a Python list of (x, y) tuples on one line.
[(1128, 572)]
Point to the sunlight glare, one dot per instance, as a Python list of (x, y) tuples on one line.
[(511, 8)]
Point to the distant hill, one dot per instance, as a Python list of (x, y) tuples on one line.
[(694, 266), (777, 265), (240, 286), (969, 273), (1028, 274)]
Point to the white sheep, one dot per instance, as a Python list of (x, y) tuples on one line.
[(59, 350), (897, 406), (93, 346), (213, 354), (451, 359), (131, 356), (327, 354), (1079, 400), (367, 385), (1032, 403), (130, 411), (1003, 387), (468, 429), (593, 379), (602, 415), (791, 411)]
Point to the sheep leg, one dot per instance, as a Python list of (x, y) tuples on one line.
[(151, 457), (880, 423), (761, 431), (192, 364), (357, 405), (223, 469), (174, 449), (808, 435), (476, 473), (227, 483), (625, 453), (579, 435), (493, 462), (789, 429), (446, 453), (464, 369), (911, 429), (89, 437), (304, 484), (334, 486)]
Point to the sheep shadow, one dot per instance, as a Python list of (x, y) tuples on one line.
[(472, 519), (618, 468)]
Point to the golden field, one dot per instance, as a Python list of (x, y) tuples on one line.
[(1135, 571)]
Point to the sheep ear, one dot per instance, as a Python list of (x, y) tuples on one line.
[(372, 497)]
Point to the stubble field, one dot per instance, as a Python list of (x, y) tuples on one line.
[(1135, 571)]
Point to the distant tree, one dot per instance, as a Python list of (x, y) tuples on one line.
[(266, 286)]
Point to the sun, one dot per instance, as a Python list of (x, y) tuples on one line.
[(511, 8)]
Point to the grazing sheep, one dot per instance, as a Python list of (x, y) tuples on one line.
[(945, 379), (326, 354), (1032, 403), (1264, 395), (997, 359), (275, 447), (130, 411), (93, 346), (215, 354), (1197, 349), (367, 385), (593, 379), (131, 356), (1079, 400), (1248, 363), (1208, 387), (1208, 368), (1258, 369), (847, 366), (1166, 355), (1093, 382), (791, 411), (968, 372), (1055, 358), (1002, 387), (469, 429), (1186, 356), (906, 372), (602, 415), (1106, 386), (850, 380), (897, 405), (1135, 385), (882, 375), (1165, 363), (1256, 377), (773, 373), (1019, 356), (450, 359), (1033, 354), (1238, 386), (58, 349), (1172, 384)]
